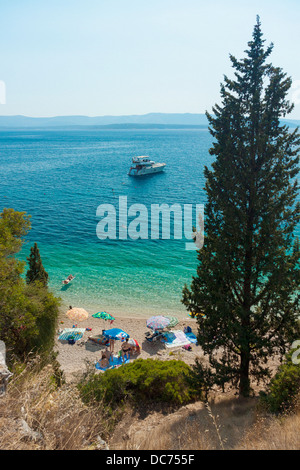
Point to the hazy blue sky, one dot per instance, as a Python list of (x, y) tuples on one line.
[(114, 57)]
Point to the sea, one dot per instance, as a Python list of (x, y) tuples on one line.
[(61, 177)]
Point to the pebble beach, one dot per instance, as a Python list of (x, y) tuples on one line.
[(74, 358)]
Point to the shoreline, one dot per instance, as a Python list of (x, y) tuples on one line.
[(121, 312)]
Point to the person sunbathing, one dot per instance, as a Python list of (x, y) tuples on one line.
[(107, 354), (104, 362)]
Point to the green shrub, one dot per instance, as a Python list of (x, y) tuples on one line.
[(29, 313), (144, 380), (284, 386), (202, 378)]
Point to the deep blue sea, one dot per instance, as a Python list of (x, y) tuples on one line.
[(61, 177)]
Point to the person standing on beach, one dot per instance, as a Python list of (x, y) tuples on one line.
[(111, 345), (125, 349)]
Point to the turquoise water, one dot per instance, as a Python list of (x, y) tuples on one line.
[(61, 177)]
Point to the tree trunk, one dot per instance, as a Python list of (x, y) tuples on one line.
[(244, 384)]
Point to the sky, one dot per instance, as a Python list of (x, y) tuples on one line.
[(122, 57)]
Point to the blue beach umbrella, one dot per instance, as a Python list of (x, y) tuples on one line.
[(115, 333)]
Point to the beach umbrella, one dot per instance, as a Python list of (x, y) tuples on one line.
[(134, 343), (173, 321), (77, 314), (115, 333), (158, 322), (103, 316)]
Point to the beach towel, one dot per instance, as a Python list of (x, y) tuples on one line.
[(67, 333), (176, 340), (168, 337), (113, 362), (192, 337)]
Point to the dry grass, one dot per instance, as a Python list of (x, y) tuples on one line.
[(274, 434), (229, 424), (193, 427), (169, 437), (36, 414)]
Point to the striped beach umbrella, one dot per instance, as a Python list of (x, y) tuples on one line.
[(134, 343), (158, 322), (173, 321)]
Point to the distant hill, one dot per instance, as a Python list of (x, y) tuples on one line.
[(145, 121), (291, 122), (68, 121)]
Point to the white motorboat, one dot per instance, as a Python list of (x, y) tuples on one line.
[(142, 166)]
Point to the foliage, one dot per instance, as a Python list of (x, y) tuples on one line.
[(36, 271), (248, 273), (13, 226), (28, 312), (144, 380), (43, 306), (284, 386), (201, 378)]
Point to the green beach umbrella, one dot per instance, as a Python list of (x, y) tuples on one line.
[(173, 321), (103, 316)]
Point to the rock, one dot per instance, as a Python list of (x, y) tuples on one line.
[(5, 374), (101, 444), (29, 433)]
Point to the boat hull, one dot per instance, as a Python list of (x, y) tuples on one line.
[(157, 168)]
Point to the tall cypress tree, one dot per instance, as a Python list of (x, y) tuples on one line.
[(248, 273), (36, 271)]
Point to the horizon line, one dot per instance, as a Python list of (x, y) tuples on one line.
[(116, 115)]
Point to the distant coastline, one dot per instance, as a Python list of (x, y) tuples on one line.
[(161, 119), (144, 121), (124, 126)]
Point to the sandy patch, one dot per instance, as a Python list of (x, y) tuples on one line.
[(73, 358)]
